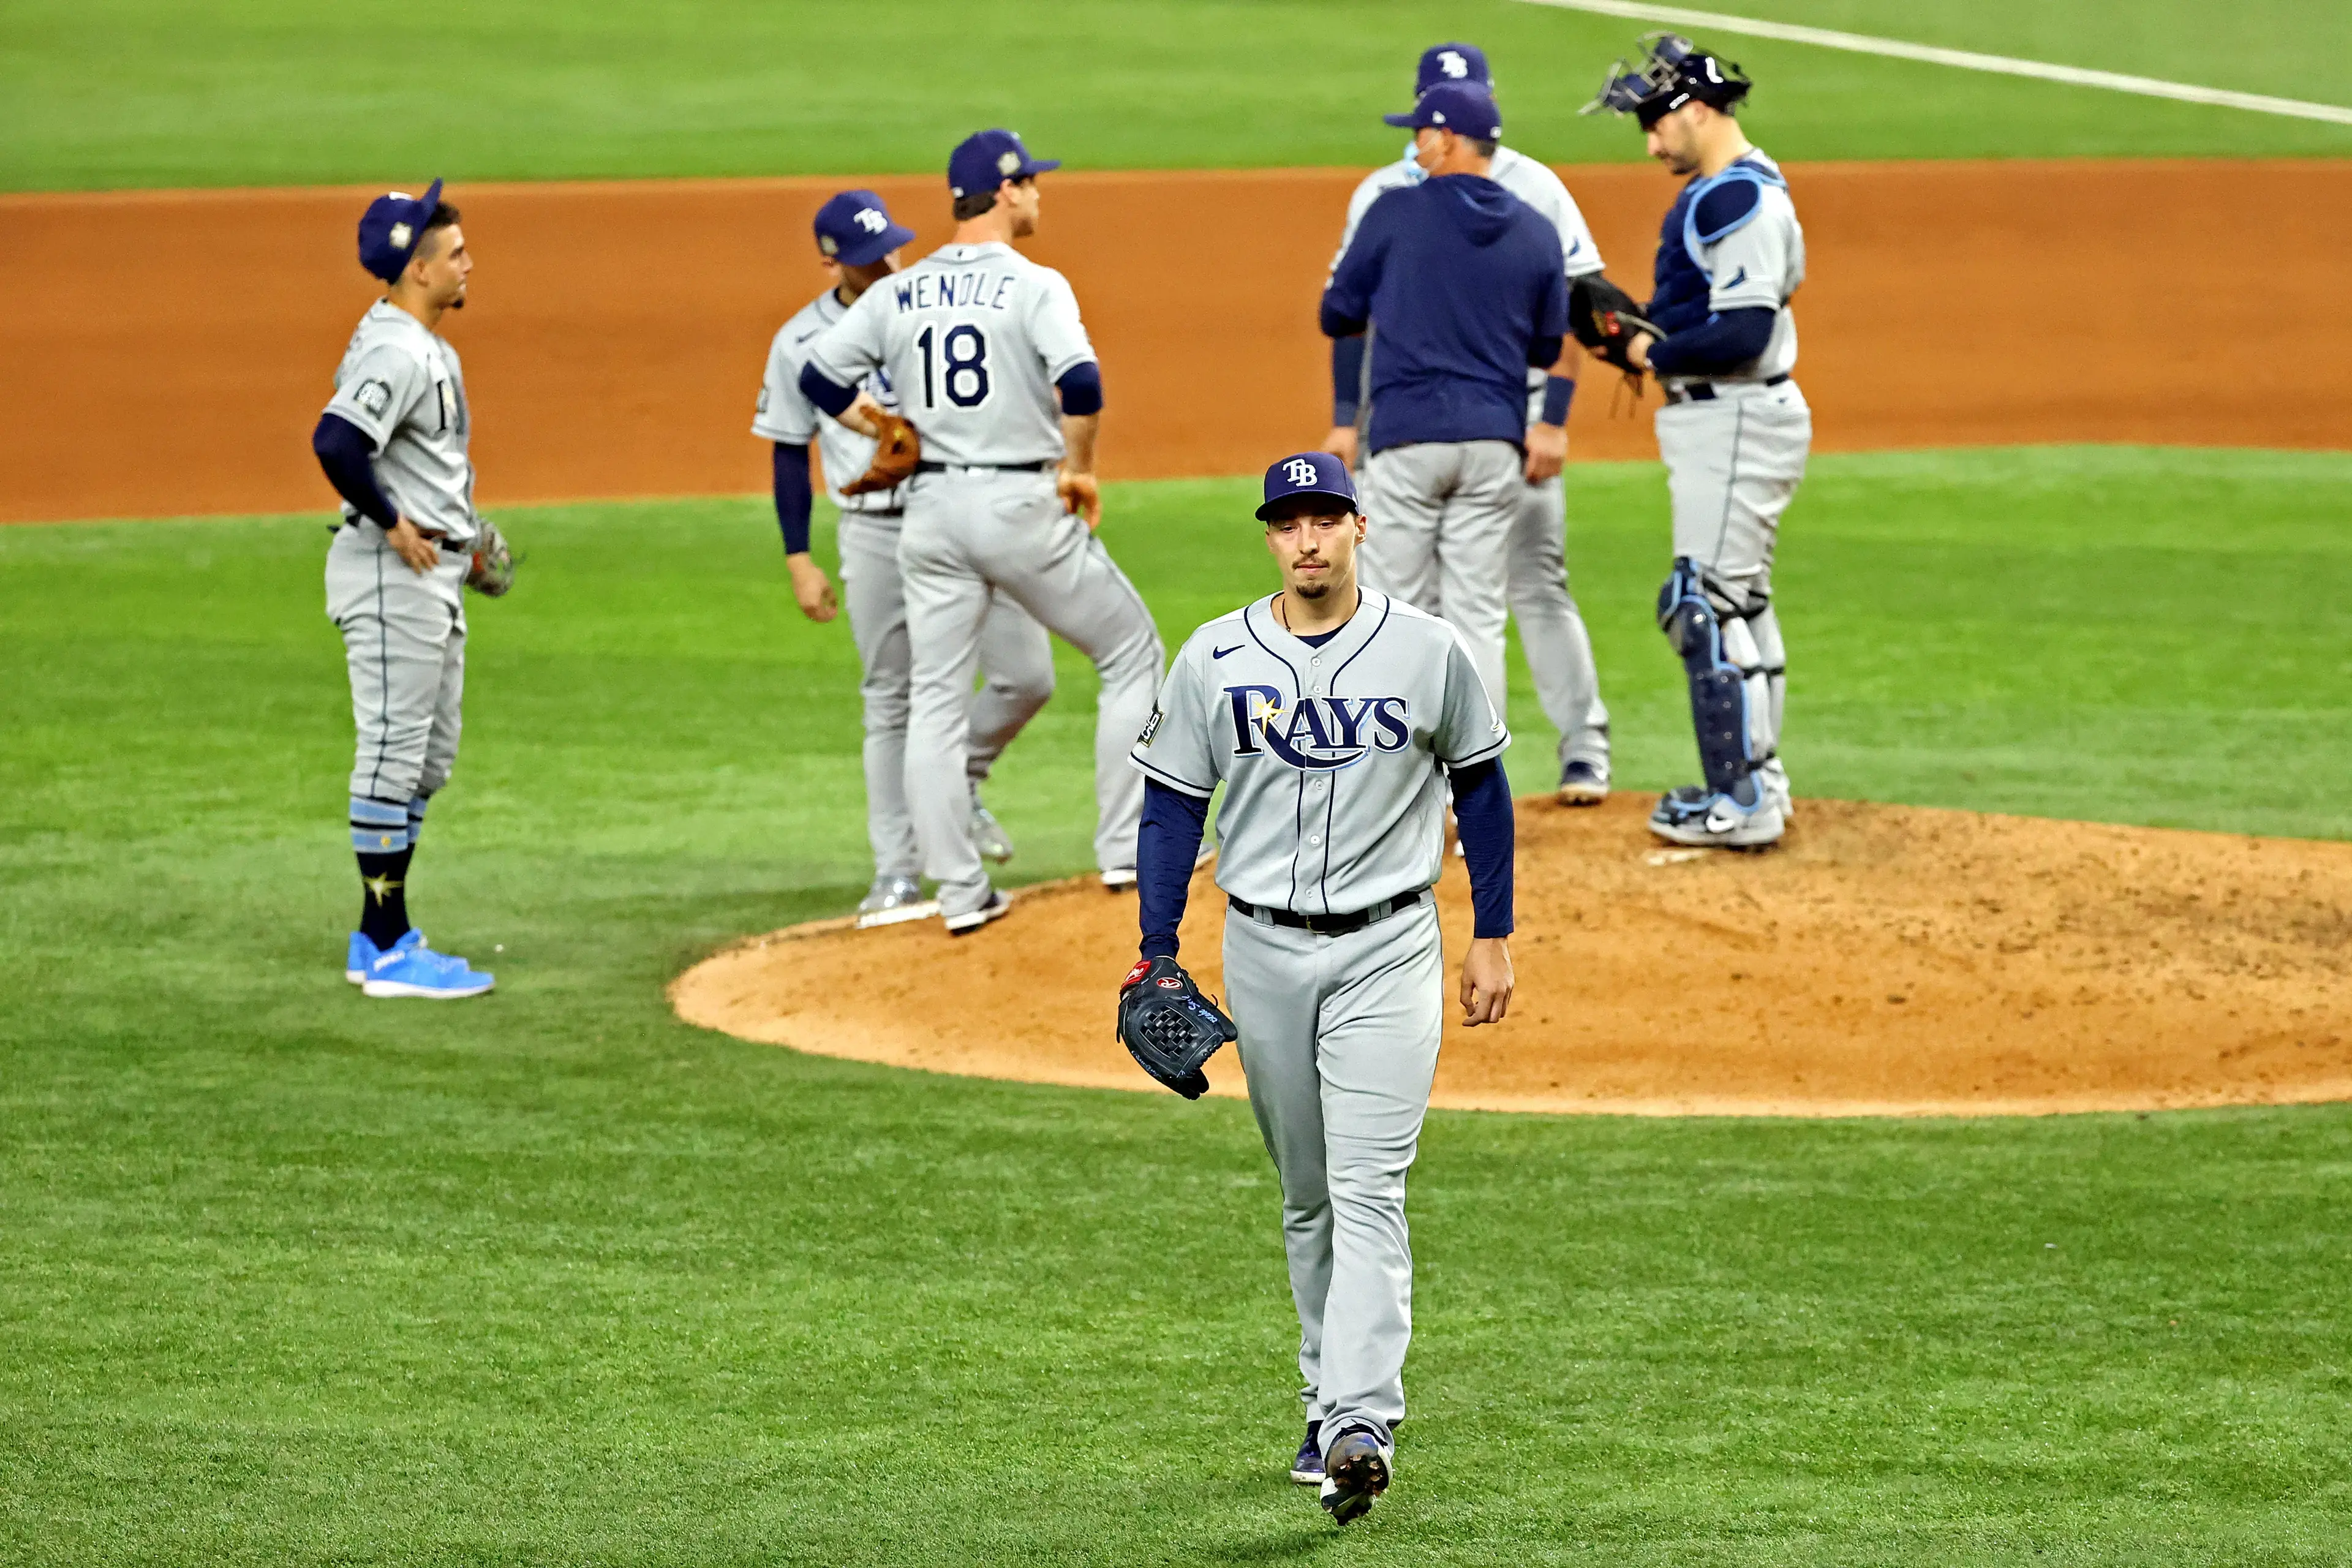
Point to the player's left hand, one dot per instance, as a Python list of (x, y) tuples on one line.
[(1547, 451), (1486, 981), (811, 588), (1637, 350), (1081, 496)]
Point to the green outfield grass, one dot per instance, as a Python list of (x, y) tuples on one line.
[(107, 93), (287, 1276)]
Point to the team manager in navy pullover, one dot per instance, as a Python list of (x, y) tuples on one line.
[(1462, 286)]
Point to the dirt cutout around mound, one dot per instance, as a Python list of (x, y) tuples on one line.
[(1883, 961), (614, 332)]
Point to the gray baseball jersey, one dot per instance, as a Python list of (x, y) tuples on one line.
[(1759, 261), (1333, 798), (973, 337), (786, 415), (401, 385), (1525, 178)]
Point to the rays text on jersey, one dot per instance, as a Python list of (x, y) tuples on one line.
[(1317, 734)]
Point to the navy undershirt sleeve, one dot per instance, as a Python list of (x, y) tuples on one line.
[(1166, 845), (1544, 353), (1728, 339), (793, 496), (1482, 809), (1081, 387), (824, 392), (1336, 324), (348, 456), (1346, 378)]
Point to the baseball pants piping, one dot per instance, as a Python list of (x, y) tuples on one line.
[(1016, 674), (404, 647), (1551, 628), (971, 536), (1339, 1038), (1441, 516)]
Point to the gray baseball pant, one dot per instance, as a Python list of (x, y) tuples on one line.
[(1551, 628), (1339, 1038), (1733, 464), (1441, 515), (970, 535), (1016, 675), (404, 646)]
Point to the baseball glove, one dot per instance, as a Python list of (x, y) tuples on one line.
[(1604, 318), (894, 457), (1169, 1027), (493, 569)]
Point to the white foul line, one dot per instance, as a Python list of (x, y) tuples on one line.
[(1857, 43)]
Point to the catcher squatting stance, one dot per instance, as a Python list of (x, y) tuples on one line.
[(1734, 430), (392, 442), (1336, 717)]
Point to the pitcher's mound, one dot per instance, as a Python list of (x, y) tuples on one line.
[(1881, 961)]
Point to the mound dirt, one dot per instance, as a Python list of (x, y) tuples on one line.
[(1881, 961)]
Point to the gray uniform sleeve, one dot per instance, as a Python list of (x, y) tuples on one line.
[(1174, 748), (381, 392), (1055, 328), (1468, 731), (1751, 265), (785, 414), (852, 348)]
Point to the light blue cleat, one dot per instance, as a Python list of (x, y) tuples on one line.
[(419, 971), (364, 952)]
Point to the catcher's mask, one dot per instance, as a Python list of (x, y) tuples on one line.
[(1671, 72)]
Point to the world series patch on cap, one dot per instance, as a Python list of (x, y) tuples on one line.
[(391, 228), (1306, 474)]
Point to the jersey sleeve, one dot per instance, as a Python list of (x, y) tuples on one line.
[(1468, 731), (1174, 748), (1750, 264), (1580, 254), (852, 348), (382, 390), (785, 412), (1055, 328)]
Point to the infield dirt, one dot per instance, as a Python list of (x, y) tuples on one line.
[(1883, 960), (615, 335)]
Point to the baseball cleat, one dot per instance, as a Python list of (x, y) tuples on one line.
[(362, 952), (1584, 784), (1121, 878), (1775, 779), (997, 908), (420, 972), (1307, 1468), (893, 899), (988, 835), (1690, 815), (1355, 1472)]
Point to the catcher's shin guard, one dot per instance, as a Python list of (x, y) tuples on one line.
[(1707, 624)]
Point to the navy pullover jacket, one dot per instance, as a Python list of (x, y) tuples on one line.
[(1462, 284)]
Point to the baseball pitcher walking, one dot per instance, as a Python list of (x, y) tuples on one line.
[(1462, 285), (1336, 717), (392, 442), (1551, 628), (980, 341), (859, 245), (1734, 431)]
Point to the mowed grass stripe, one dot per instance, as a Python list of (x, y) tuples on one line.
[(287, 1276)]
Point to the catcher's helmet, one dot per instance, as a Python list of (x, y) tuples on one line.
[(1671, 72)]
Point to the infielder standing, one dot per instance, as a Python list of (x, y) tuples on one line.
[(980, 342), (859, 248), (393, 443), (1336, 717), (1734, 431), (1462, 285), (1551, 628)]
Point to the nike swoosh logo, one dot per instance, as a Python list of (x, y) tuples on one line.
[(1574, 245), (1736, 278), (1221, 652)]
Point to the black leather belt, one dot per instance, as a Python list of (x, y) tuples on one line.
[(1326, 925), (1703, 391), (927, 466)]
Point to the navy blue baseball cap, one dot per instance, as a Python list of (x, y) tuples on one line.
[(1466, 107), (1451, 62), (986, 159), (391, 228), (1306, 474), (855, 229)]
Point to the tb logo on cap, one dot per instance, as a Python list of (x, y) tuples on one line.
[(1451, 62), (871, 221), (1298, 471)]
